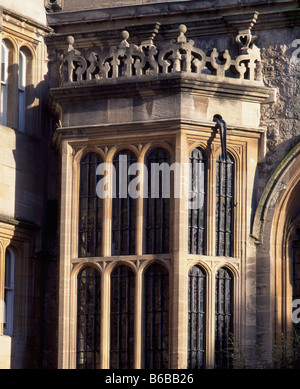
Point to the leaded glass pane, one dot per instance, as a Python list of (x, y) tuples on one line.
[(122, 318), (156, 317), (224, 206), (157, 209), (88, 319), (197, 209), (123, 206), (196, 318), (90, 208), (223, 317)]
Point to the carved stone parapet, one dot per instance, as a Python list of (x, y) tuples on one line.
[(179, 56)]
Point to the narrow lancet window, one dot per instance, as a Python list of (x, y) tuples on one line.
[(156, 317), (122, 318), (9, 291), (223, 318), (197, 205), (21, 88), (90, 208), (4, 82), (123, 206), (224, 206), (88, 319), (196, 319), (157, 204)]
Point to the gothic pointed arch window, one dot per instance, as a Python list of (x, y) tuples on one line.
[(123, 206), (223, 317), (157, 204), (88, 318), (156, 317), (122, 318), (224, 206), (196, 318), (197, 208), (90, 208)]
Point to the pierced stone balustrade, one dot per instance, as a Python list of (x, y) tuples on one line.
[(180, 56)]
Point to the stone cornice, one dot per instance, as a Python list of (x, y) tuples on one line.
[(77, 135), (154, 85), (203, 18)]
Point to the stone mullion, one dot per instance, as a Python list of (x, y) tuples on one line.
[(105, 320), (138, 322), (65, 258), (139, 213), (107, 215), (179, 295), (211, 206), (210, 321)]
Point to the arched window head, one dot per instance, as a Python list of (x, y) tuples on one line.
[(9, 291), (224, 206), (90, 208), (156, 317), (122, 318), (4, 82), (197, 204), (223, 317), (88, 318), (197, 318), (123, 206), (157, 205)]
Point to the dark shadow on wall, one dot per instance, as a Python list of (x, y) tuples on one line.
[(34, 340)]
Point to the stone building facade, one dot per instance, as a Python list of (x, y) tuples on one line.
[(109, 280)]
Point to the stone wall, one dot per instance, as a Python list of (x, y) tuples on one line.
[(71, 5), (33, 9), (282, 118)]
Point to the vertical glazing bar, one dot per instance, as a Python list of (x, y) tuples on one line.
[(95, 205), (87, 203), (226, 251)]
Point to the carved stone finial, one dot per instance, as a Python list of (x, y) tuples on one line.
[(149, 41), (182, 30), (245, 38), (124, 36), (70, 42)]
